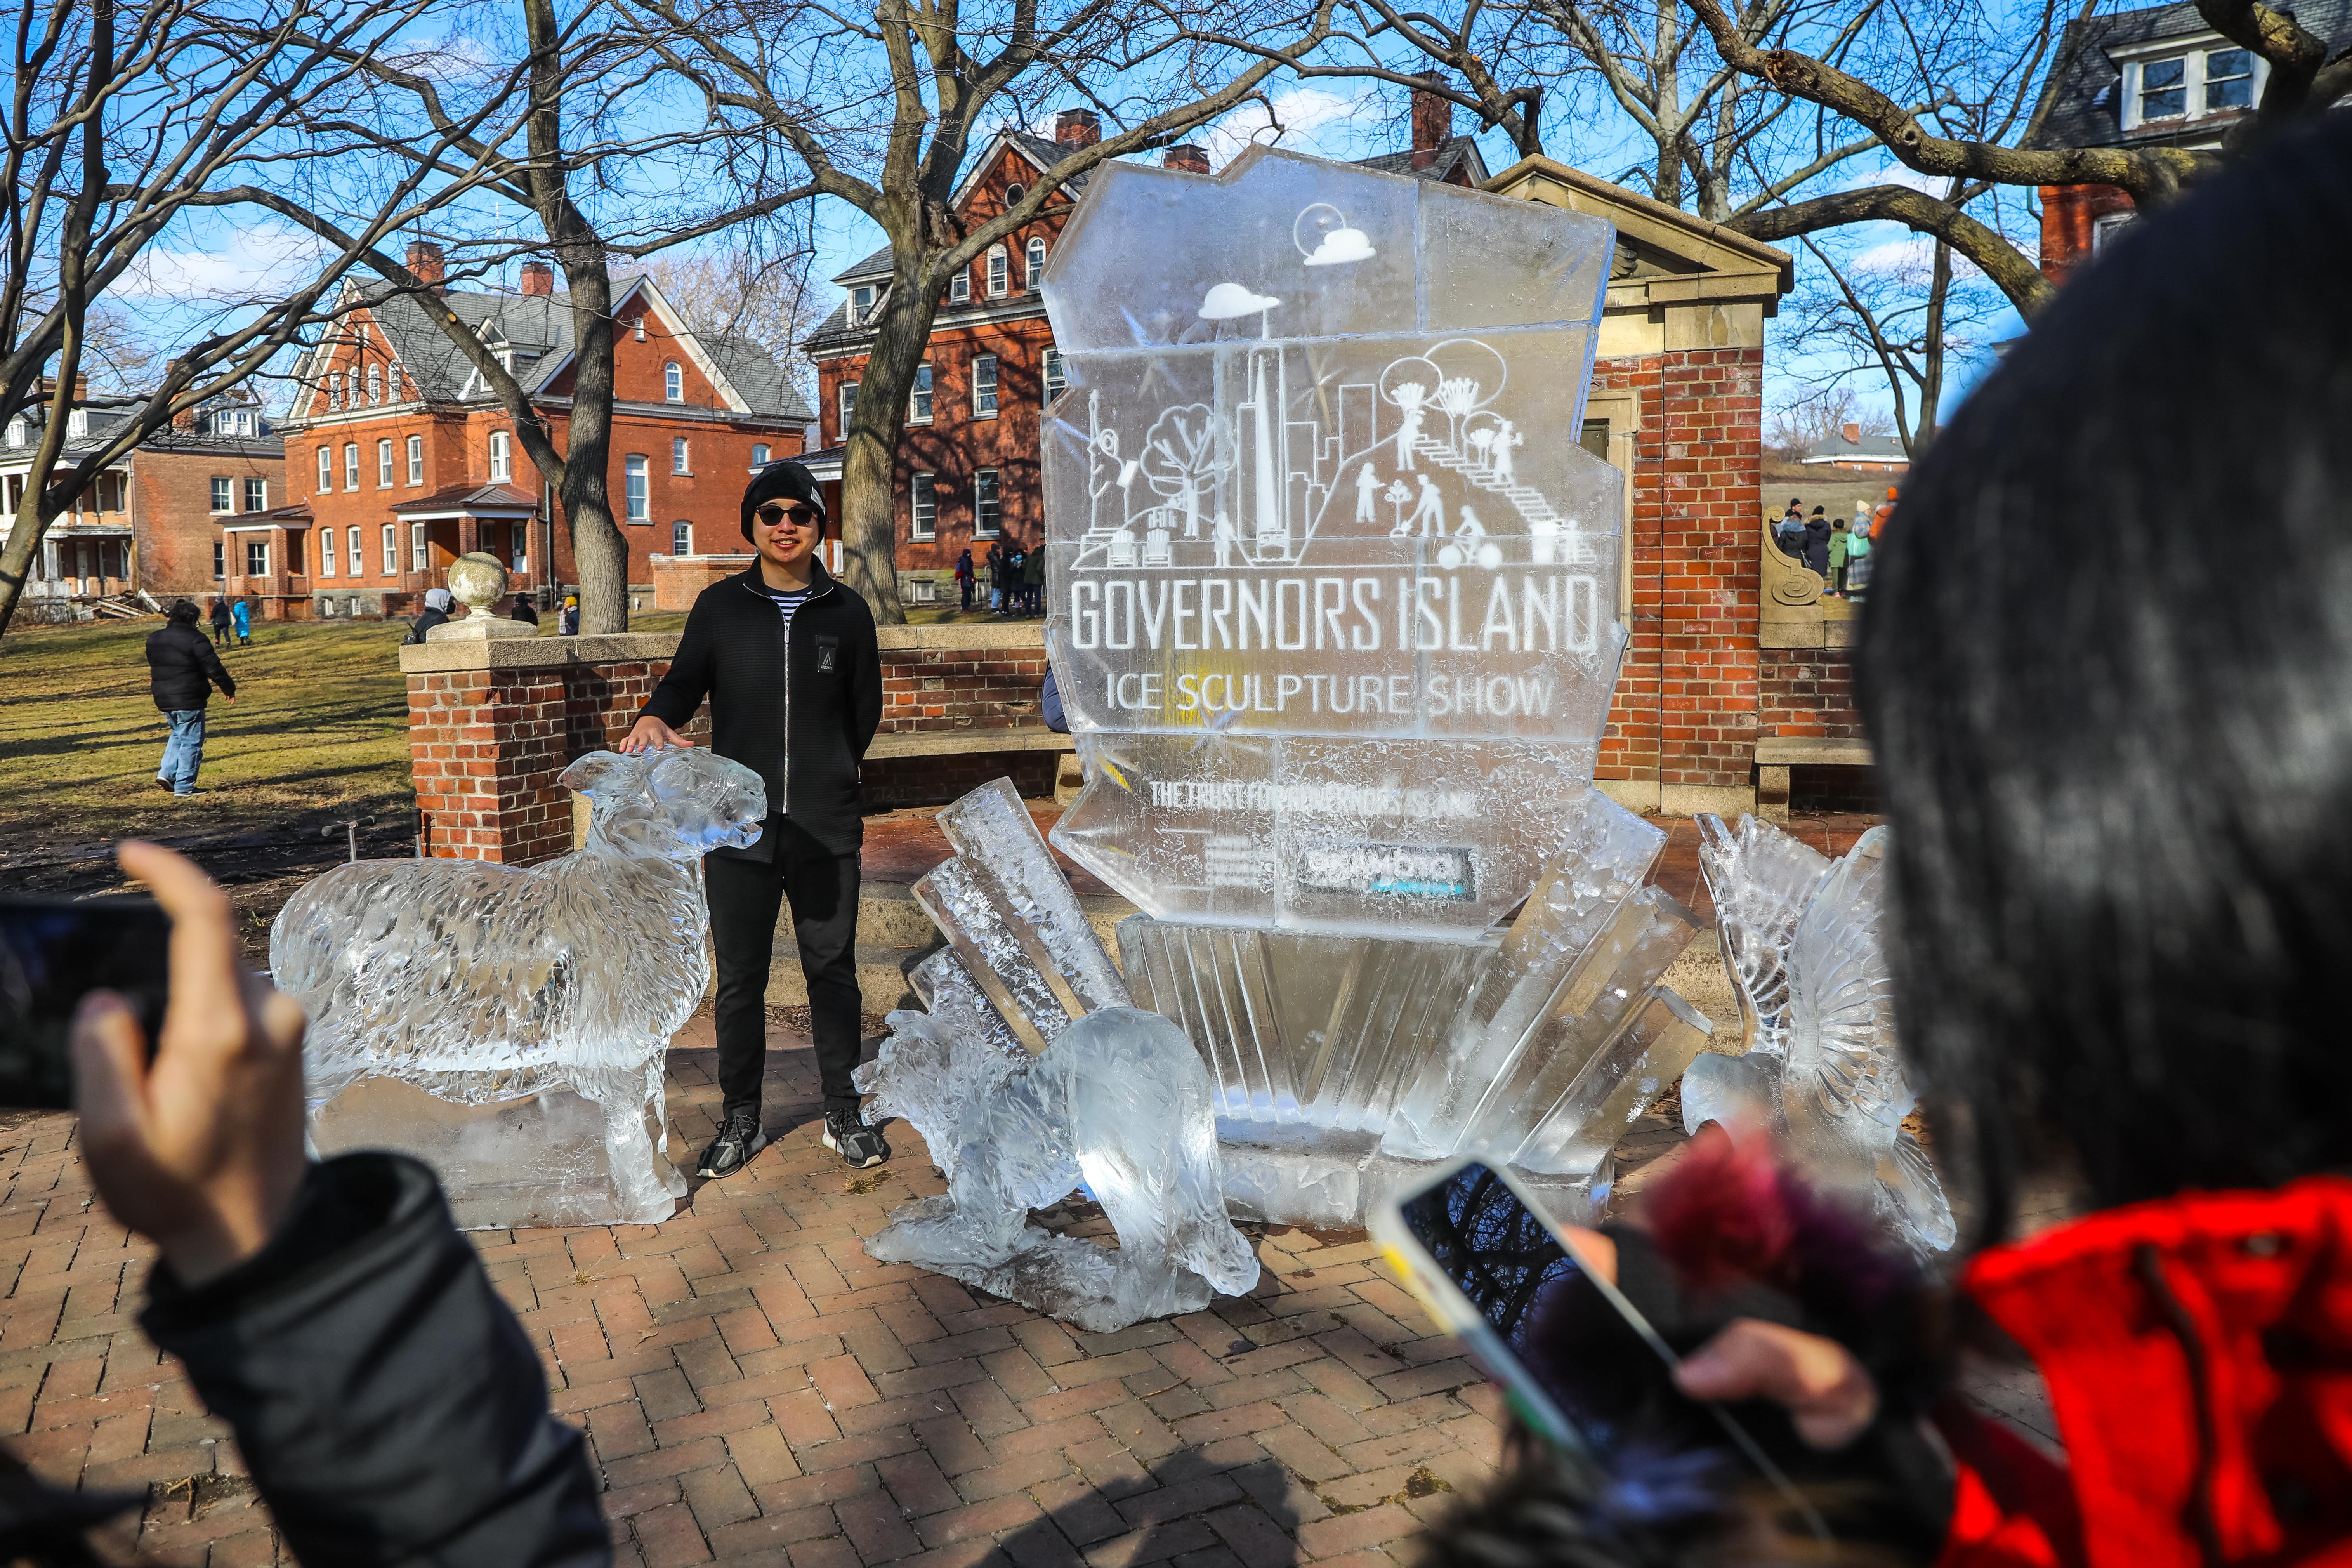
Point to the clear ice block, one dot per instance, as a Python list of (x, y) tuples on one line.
[(503, 987), (1760, 880)]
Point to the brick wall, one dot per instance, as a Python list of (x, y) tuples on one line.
[(2069, 217), (1685, 712), (172, 518), (893, 783), (1806, 691), (988, 682)]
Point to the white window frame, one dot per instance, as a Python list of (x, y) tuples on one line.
[(959, 286), (328, 566), (682, 455), (326, 469), (1033, 261), (672, 382), (2193, 52), (376, 385), (637, 488), (845, 403), (358, 561), (984, 386), (250, 546), (390, 550), (351, 465), (415, 462), (1052, 375), (923, 507), (256, 495), (918, 397), (224, 492), (220, 560), (637, 328), (1000, 272), (335, 390), (384, 464), (987, 505), (674, 548), (501, 455), (419, 556), (862, 300), (2107, 226), (759, 455)]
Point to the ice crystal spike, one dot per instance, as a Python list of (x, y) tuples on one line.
[(508, 1024)]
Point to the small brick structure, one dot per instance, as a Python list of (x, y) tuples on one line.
[(491, 725)]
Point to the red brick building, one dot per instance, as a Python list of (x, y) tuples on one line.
[(968, 470), (400, 459), (2158, 76), (153, 523)]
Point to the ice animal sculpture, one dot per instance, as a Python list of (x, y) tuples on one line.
[(1028, 1073), (508, 1024), (1801, 936)]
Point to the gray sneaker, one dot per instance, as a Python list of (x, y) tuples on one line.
[(732, 1150), (846, 1134)]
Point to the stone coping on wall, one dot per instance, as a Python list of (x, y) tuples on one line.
[(639, 648)]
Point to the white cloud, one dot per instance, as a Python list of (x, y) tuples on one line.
[(255, 261), (1893, 174), (1299, 118)]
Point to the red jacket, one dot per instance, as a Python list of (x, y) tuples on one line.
[(2198, 1354)]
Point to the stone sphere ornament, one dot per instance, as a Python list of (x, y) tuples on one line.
[(478, 581)]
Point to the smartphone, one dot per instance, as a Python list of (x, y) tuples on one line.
[(1492, 1269), (51, 954)]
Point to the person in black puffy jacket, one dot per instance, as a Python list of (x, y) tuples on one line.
[(183, 669)]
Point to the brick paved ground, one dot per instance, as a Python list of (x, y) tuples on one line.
[(756, 1390)]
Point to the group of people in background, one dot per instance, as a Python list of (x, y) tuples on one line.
[(1014, 580), (232, 617), (1835, 547)]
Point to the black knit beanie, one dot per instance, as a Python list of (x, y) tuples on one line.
[(787, 482)]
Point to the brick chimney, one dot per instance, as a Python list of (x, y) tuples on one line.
[(1077, 128), (1433, 121), (1191, 159), (1852, 434), (425, 260), (538, 278)]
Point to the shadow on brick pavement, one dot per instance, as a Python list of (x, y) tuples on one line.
[(755, 1389)]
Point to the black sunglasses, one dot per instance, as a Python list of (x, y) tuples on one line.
[(802, 516)]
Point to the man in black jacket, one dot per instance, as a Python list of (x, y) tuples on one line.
[(182, 670), (788, 660)]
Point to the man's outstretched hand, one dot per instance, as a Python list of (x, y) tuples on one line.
[(201, 1149), (650, 732)]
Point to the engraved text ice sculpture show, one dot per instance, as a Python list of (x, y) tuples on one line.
[(1334, 614), (507, 1025)]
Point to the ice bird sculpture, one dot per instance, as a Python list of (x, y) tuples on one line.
[(508, 1024), (1802, 936)]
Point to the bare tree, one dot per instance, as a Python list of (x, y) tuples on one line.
[(122, 119), (1903, 318), (878, 106), (1823, 411), (740, 290)]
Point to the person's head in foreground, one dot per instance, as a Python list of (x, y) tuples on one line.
[(2118, 778)]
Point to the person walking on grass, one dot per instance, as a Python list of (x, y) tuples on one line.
[(789, 661), (963, 580), (183, 669), (220, 622), (242, 613)]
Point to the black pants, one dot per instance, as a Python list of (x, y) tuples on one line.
[(744, 896)]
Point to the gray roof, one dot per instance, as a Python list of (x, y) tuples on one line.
[(2079, 100), (538, 329), (102, 422), (1880, 449), (1451, 154)]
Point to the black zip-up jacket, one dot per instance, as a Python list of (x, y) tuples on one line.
[(183, 668), (820, 701)]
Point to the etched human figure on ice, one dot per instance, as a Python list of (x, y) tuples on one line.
[(1222, 531), (1471, 526), (1429, 511), (1408, 397), (1367, 486), (1507, 438)]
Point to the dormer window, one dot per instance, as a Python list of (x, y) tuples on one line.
[(861, 304), (673, 383), (78, 422), (2179, 86), (1035, 257), (16, 433)]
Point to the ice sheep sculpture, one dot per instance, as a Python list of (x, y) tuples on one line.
[(533, 1004)]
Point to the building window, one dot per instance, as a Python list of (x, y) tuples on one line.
[(335, 390), (256, 495), (1036, 260), (220, 560), (679, 463), (391, 552), (326, 553), (923, 514), (1055, 379), (759, 457), (1013, 195), (681, 537), (220, 492), (998, 272), (2107, 226), (383, 465), (351, 465), (959, 286), (983, 386), (417, 459), (256, 558), (2229, 81), (848, 402), (2200, 82), (673, 383), (2163, 89), (418, 555), (376, 385), (983, 504), (326, 470), (501, 461), (639, 507), (919, 402), (359, 567), (861, 304), (637, 328)]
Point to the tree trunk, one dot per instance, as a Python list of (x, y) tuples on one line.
[(599, 550), (1931, 379), (16, 558), (869, 520)]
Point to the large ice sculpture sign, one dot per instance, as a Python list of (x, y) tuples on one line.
[(1333, 586)]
